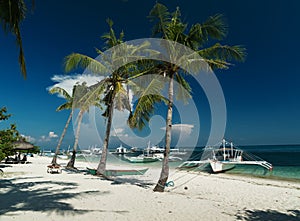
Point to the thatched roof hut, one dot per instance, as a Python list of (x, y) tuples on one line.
[(22, 145)]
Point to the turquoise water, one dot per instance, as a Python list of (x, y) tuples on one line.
[(284, 158)]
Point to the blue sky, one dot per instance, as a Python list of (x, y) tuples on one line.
[(262, 94)]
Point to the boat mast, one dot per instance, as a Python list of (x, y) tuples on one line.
[(231, 145), (224, 156)]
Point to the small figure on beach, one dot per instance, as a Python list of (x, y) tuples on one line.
[(24, 159)]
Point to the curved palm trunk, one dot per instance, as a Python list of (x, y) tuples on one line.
[(160, 186), (102, 164), (72, 160), (54, 160)]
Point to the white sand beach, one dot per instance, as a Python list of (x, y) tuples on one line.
[(28, 192)]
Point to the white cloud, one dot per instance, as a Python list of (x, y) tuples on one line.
[(184, 134), (68, 81), (28, 138), (186, 129), (51, 135)]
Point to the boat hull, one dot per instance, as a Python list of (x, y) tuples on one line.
[(119, 172), (139, 159), (219, 166)]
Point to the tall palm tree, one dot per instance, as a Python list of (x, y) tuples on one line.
[(169, 26), (12, 13), (80, 91), (68, 105), (112, 88)]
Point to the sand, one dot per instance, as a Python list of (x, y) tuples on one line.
[(28, 192)]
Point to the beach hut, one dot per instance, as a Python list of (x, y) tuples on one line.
[(22, 145)]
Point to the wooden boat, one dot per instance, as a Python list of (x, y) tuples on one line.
[(225, 156), (142, 159), (119, 172)]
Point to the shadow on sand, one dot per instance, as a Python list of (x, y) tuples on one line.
[(118, 180), (132, 181), (20, 194), (261, 215)]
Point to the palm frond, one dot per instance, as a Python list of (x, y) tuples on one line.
[(76, 60), (148, 97), (224, 52), (12, 13), (183, 89), (60, 91), (121, 100), (111, 38), (217, 64), (219, 56), (199, 34), (161, 15), (84, 96), (215, 27), (65, 106)]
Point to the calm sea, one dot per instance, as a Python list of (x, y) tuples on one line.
[(284, 158)]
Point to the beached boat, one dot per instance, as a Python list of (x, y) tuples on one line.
[(225, 156), (63, 156), (142, 159), (160, 156), (119, 172)]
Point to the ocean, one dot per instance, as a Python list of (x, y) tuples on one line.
[(284, 158)]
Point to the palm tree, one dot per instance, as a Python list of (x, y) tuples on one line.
[(12, 13), (68, 105), (112, 88), (168, 26), (80, 91)]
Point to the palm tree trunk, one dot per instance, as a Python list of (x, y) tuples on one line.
[(102, 164), (160, 186), (54, 160), (72, 160)]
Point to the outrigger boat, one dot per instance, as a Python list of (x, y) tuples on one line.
[(225, 156), (119, 172), (142, 159), (121, 150)]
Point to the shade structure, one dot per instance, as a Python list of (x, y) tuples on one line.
[(22, 145)]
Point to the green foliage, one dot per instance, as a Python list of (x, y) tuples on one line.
[(169, 26), (12, 13), (148, 90), (3, 115), (7, 136), (64, 93)]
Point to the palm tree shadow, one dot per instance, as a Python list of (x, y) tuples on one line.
[(261, 215), (45, 196), (133, 181)]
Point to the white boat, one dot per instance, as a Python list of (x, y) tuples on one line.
[(141, 159), (225, 156), (47, 153), (147, 156), (63, 156), (96, 150), (177, 152), (160, 156), (154, 149), (121, 150)]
